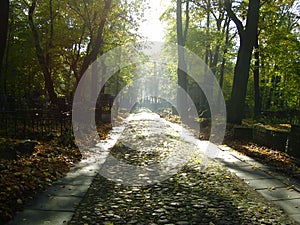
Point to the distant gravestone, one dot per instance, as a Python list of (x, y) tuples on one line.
[(294, 141), (271, 138), (103, 108)]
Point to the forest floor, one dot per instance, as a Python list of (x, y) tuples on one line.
[(23, 178)]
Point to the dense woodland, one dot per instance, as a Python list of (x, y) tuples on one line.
[(251, 46)]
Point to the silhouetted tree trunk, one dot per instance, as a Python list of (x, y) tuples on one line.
[(247, 36), (4, 13), (43, 57), (222, 70), (219, 18), (207, 50)]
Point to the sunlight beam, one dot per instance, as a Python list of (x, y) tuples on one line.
[(153, 29)]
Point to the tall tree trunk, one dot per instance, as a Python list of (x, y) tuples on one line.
[(247, 36), (239, 88), (43, 58), (4, 13), (181, 39), (222, 70), (257, 98), (207, 51)]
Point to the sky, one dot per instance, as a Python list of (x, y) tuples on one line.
[(153, 28)]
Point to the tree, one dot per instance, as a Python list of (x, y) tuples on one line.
[(247, 34), (96, 46), (4, 13), (279, 56), (210, 37), (274, 41), (181, 70), (100, 26), (44, 55), (67, 37), (225, 50), (215, 30)]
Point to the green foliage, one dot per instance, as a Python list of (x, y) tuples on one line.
[(208, 41), (280, 53), (279, 48), (75, 27)]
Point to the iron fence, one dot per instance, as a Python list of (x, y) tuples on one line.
[(33, 124)]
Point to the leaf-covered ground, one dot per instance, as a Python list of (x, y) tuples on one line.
[(191, 196), (23, 178), (275, 158)]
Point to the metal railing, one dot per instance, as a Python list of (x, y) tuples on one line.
[(33, 124)]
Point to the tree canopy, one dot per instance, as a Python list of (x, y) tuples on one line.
[(51, 44), (252, 47)]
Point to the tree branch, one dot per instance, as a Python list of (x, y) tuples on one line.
[(233, 17), (90, 57)]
